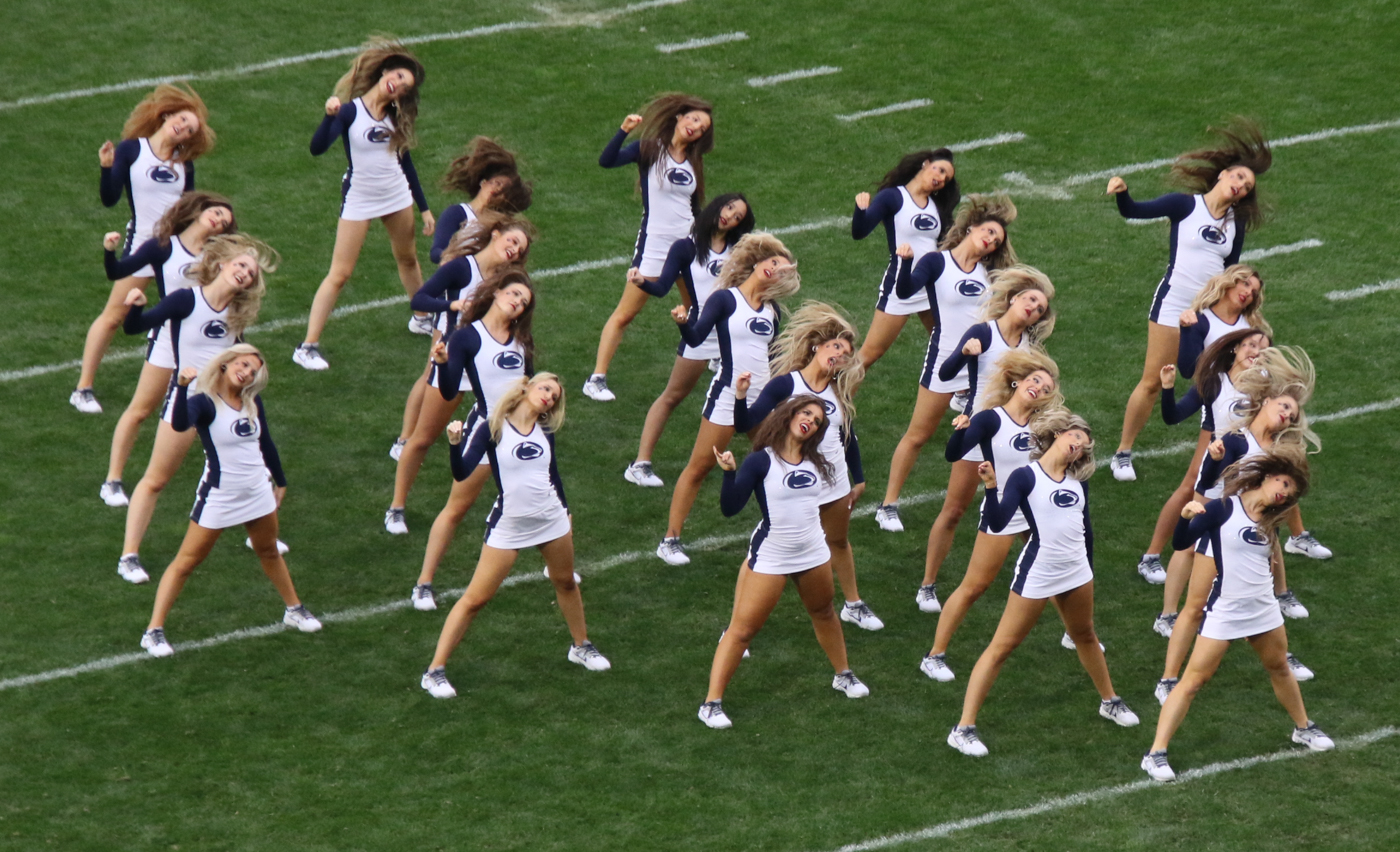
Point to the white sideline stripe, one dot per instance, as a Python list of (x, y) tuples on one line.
[(886, 110), (1345, 295), (1147, 221), (1287, 248), (986, 142), (1359, 410), (819, 71), (1086, 797), (702, 42), (556, 19)]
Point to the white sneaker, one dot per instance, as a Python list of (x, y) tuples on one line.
[(1301, 672), (1289, 605), (298, 617), (112, 494), (1313, 737), (887, 516), (131, 569), (1116, 711), (308, 355), (83, 400), (672, 552), (422, 597), (587, 656), (435, 682), (1068, 643), (1154, 763), (640, 473), (857, 613), (712, 714), (394, 523), (1150, 567), (1164, 689), (1305, 544), (1122, 466), (397, 450), (282, 547), (577, 578), (420, 325), (936, 667), (965, 740), (848, 683), (714, 365), (1164, 623), (153, 641), (927, 598), (596, 389)]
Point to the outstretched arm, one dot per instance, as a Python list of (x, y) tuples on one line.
[(734, 491)]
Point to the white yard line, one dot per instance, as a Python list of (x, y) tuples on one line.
[(1287, 248), (902, 106), (702, 42), (986, 142), (820, 71), (1357, 293)]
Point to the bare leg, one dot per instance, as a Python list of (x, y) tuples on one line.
[(884, 329), (1162, 343), (559, 560), (1276, 566), (169, 452), (415, 400), (349, 239), (1178, 574), (402, 227), (1171, 510), (1077, 612), (1295, 521), (1272, 648), (150, 392), (459, 502), (685, 374), (817, 590), (928, 411), (755, 595), (962, 487), (988, 555), (633, 299), (263, 533), (836, 524), (1204, 661), (104, 328), (432, 419), (193, 550), (1189, 620), (702, 460), (491, 570), (1017, 619)]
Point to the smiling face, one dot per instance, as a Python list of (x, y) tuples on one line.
[(395, 82), (1028, 306), (1235, 182), (690, 126), (512, 300), (985, 238), (1278, 489), (1278, 413), (240, 273), (1243, 292), (833, 354), (216, 219), (1072, 443), (510, 245), (806, 421), (542, 395), (935, 175), (179, 126), (241, 371), (1034, 387), (732, 214)]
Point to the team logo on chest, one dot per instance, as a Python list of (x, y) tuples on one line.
[(924, 222), (798, 479), (184, 271), (244, 428), (1022, 442), (528, 451), (714, 267), (1240, 408), (1064, 498), (830, 408), (215, 329), (508, 361), (680, 177), (1213, 235), (378, 135), (970, 287), (760, 327), (1252, 537), (162, 174)]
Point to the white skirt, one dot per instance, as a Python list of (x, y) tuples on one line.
[(931, 381), (361, 202), (1242, 620), (719, 409), (133, 242), (770, 556), (159, 352), (1018, 523), (707, 351), (1169, 302), (516, 532), (221, 508), (1043, 581), (889, 302), (841, 483), (649, 252)]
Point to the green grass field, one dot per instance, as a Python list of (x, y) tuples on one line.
[(325, 742)]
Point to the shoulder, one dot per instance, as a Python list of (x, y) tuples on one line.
[(129, 149), (890, 198)]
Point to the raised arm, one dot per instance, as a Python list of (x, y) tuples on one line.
[(449, 222), (466, 454), (748, 416), (1188, 532), (1233, 446), (615, 155), (176, 305), (884, 205), (1174, 205), (718, 307), (190, 412), (332, 125), (149, 253), (999, 512), (432, 296), (914, 277), (113, 181), (979, 431), (462, 347), (734, 491), (677, 266)]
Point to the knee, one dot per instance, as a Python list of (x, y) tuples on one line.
[(949, 515), (1000, 649), (152, 484), (336, 278), (266, 551), (671, 398), (822, 612), (1276, 666), (974, 589), (564, 585), (1083, 635), (838, 542), (473, 604)]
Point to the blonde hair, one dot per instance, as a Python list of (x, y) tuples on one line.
[(213, 376), (222, 248), (1007, 284), (1017, 365), (1048, 425), (810, 326), (1218, 285), (474, 236), (751, 250), (977, 209), (516, 393), (380, 54), (1249, 474), (1279, 371), (164, 101)]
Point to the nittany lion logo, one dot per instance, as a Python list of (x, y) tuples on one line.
[(215, 329), (680, 177), (1252, 536), (970, 287), (925, 222), (1022, 442), (1064, 498), (244, 428), (162, 174), (800, 479), (184, 271), (829, 406), (508, 361), (378, 135), (1213, 235), (761, 327), (528, 451), (715, 266), (1239, 408)]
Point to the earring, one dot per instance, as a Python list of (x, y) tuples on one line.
[(1013, 384)]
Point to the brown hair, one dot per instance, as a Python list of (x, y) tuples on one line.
[(977, 209), (659, 125), (1249, 474), (484, 295), (1242, 143), (472, 237), (1048, 425), (484, 159), (164, 101), (186, 210), (1218, 285), (1219, 358), (772, 432), (243, 310), (751, 250), (810, 326), (1010, 282), (380, 54), (945, 200)]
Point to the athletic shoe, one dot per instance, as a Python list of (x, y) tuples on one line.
[(1122, 466), (965, 740), (153, 641), (1164, 689), (887, 516), (422, 597), (1150, 567), (83, 400), (282, 547), (640, 473), (394, 523), (308, 355), (714, 365), (1300, 672), (857, 613), (420, 325), (1116, 711), (959, 401), (596, 389), (1305, 544), (1068, 644), (712, 714), (927, 598), (587, 656), (397, 450), (1163, 624), (936, 667), (1288, 603), (298, 617), (1313, 737), (435, 682), (672, 552), (112, 494), (1154, 763), (131, 569), (577, 578), (848, 683)]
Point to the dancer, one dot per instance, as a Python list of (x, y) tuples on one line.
[(1230, 301), (241, 466), (1207, 235), (153, 164), (788, 473), (487, 174), (530, 511), (373, 111), (677, 131)]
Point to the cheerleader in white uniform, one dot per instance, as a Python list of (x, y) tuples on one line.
[(373, 111), (915, 202), (153, 165), (1057, 564), (1207, 235), (1234, 537), (743, 313), (695, 262), (204, 319), (955, 282), (530, 511), (788, 474), (237, 489), (171, 253), (677, 131), (1231, 301)]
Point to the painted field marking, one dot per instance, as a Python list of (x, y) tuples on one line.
[(819, 71), (1287, 248), (986, 142), (702, 42), (1101, 794), (1347, 295), (902, 106)]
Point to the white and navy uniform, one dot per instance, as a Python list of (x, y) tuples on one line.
[(377, 182), (449, 222), (480, 363), (530, 508), (905, 223), (1196, 339), (994, 435), (955, 297), (197, 333), (994, 345), (1201, 247), (1060, 554), (171, 263), (744, 335), (838, 445), (1238, 446), (151, 184), (454, 280), (1241, 602), (698, 277), (670, 200), (1218, 414), (240, 460), (788, 540)]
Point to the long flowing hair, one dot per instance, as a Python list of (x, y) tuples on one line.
[(1014, 367), (977, 209), (514, 397), (380, 54), (220, 249), (1007, 284), (485, 158), (1218, 359), (708, 222), (186, 211), (1047, 426), (1242, 143), (165, 100), (211, 377), (772, 432), (751, 250), (809, 327), (474, 236), (484, 295), (1218, 285), (945, 200), (1280, 371), (1249, 474), (659, 125)]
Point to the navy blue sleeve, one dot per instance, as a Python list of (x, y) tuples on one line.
[(149, 253), (1192, 344), (614, 155), (1235, 447), (406, 163), (466, 455), (984, 425), (189, 176), (1236, 247), (853, 463), (432, 296), (1088, 527), (462, 346), (190, 412), (114, 178), (1187, 533), (449, 222), (882, 208), (176, 305), (923, 274), (718, 307), (554, 477), (777, 390), (677, 265), (331, 127), (1174, 412), (981, 331), (1174, 205), (269, 449), (998, 513), (734, 491)]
